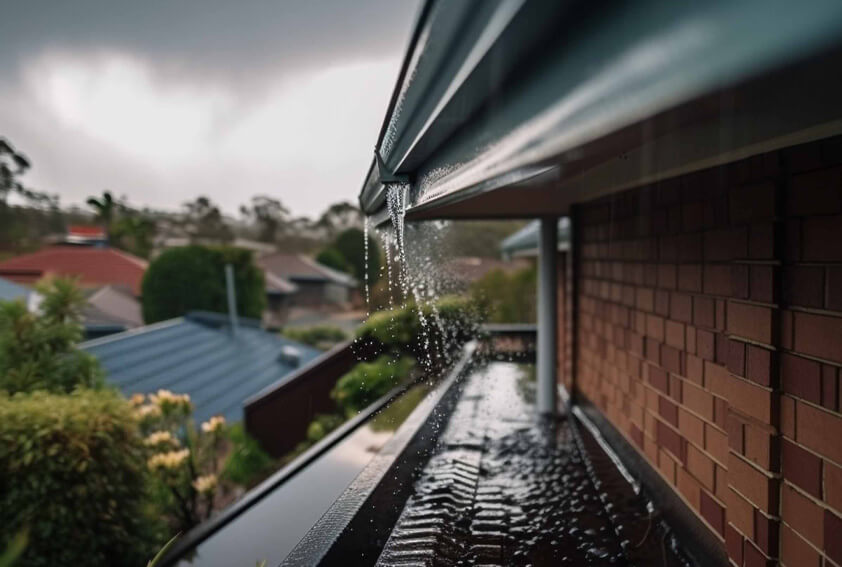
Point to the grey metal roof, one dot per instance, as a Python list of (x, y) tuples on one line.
[(197, 355), (10, 291), (524, 242), (501, 93)]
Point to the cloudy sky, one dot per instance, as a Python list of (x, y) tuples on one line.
[(163, 100)]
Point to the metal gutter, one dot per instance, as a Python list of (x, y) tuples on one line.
[(600, 68)]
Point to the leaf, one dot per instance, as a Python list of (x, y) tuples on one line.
[(163, 551), (15, 549)]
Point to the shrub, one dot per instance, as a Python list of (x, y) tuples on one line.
[(333, 258), (37, 350), (368, 381), (350, 244), (247, 464), (72, 472), (508, 297), (322, 425), (323, 336), (193, 278)]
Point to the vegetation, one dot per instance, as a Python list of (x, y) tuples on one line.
[(347, 253), (507, 297), (247, 463), (478, 238), (193, 278), (73, 474), (368, 381), (321, 336), (333, 258), (37, 351)]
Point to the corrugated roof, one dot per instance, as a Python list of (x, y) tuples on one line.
[(197, 355), (525, 241), (94, 266), (110, 305), (10, 291), (299, 267)]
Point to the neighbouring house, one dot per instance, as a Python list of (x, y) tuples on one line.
[(93, 266), (200, 354), (111, 310), (255, 246), (468, 269), (524, 242), (11, 291), (317, 285)]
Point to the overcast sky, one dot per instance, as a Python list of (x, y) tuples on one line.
[(164, 100)]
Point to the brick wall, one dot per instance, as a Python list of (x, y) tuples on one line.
[(710, 335)]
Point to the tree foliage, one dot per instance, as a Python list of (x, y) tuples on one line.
[(38, 350), (270, 217), (349, 247), (193, 278), (368, 381), (508, 297), (333, 258), (203, 220)]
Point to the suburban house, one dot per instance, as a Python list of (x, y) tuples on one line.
[(317, 285), (696, 150), (219, 365), (11, 291)]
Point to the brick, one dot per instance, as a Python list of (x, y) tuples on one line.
[(653, 350), (758, 447), (674, 334), (658, 378), (721, 320), (820, 238), (700, 466), (740, 513), (801, 468), (819, 431), (833, 485), (699, 401), (830, 387), (705, 344), (717, 279), (751, 321), (818, 335), (716, 379), (736, 358), (834, 288), (787, 325), (689, 487), (670, 440), (762, 283), (672, 359), (636, 434), (712, 512), (690, 343), (681, 307), (736, 433), (668, 410), (704, 312), (726, 244), (644, 299), (721, 482), (803, 286), (716, 443), (676, 388), (655, 327), (795, 552), (815, 193), (753, 557), (792, 240), (667, 276), (694, 369), (832, 539), (803, 515), (759, 365), (662, 303), (752, 202), (766, 532), (788, 416), (801, 377), (690, 277), (749, 399), (761, 241), (734, 544), (758, 488), (691, 427)]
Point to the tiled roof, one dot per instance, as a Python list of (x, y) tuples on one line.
[(110, 305), (197, 355), (299, 267), (94, 266)]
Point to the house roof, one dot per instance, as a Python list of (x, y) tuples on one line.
[(94, 266), (198, 355), (469, 269), (10, 291), (298, 267), (524, 242), (519, 110), (279, 285), (113, 306)]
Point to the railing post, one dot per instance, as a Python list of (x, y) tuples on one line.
[(547, 315)]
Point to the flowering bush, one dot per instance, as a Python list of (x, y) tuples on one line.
[(183, 460)]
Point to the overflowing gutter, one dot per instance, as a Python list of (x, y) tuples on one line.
[(532, 94)]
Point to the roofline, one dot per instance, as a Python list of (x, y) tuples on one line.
[(132, 332)]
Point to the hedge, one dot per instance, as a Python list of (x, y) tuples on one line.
[(72, 473)]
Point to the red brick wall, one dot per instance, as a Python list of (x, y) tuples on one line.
[(710, 334)]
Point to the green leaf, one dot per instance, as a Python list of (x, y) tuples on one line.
[(163, 551)]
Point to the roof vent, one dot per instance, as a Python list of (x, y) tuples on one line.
[(290, 356)]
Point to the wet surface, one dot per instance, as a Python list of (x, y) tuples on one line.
[(506, 489)]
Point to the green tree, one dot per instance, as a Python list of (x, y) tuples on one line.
[(204, 221), (339, 217), (508, 297), (333, 258), (133, 232), (350, 244), (269, 216), (104, 208), (193, 278), (38, 350)]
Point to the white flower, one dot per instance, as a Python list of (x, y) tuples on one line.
[(147, 411), (169, 460), (159, 438), (205, 483), (214, 424), (137, 400)]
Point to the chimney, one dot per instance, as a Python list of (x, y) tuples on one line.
[(232, 298)]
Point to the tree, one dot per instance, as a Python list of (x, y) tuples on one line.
[(339, 217), (193, 278), (269, 215), (351, 245), (333, 258), (104, 209), (133, 232), (38, 350), (204, 221)]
